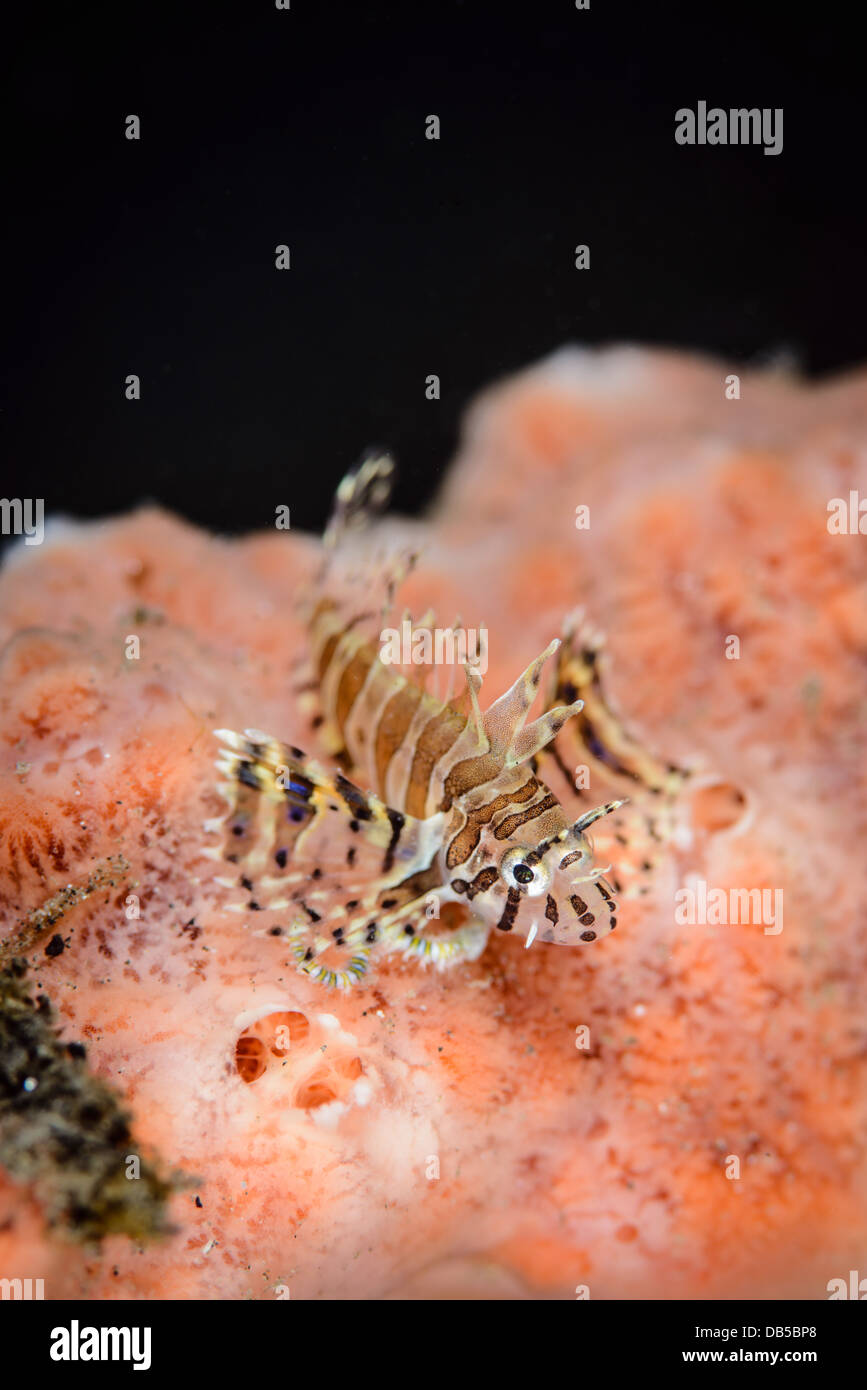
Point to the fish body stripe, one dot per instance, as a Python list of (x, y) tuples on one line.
[(465, 776), (570, 858), (439, 735), (510, 824), (393, 726), (326, 653), (350, 685), (396, 731), (362, 721), (510, 911), (482, 881), (468, 837)]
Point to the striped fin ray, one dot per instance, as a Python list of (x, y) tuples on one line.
[(637, 834), (579, 673), (328, 866)]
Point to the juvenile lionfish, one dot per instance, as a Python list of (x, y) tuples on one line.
[(458, 814)]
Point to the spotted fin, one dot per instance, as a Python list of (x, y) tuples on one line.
[(335, 869)]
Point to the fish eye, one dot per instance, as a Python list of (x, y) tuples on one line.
[(518, 873)]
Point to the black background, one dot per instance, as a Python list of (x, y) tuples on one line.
[(409, 256)]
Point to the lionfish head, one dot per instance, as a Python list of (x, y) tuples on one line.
[(550, 891)]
